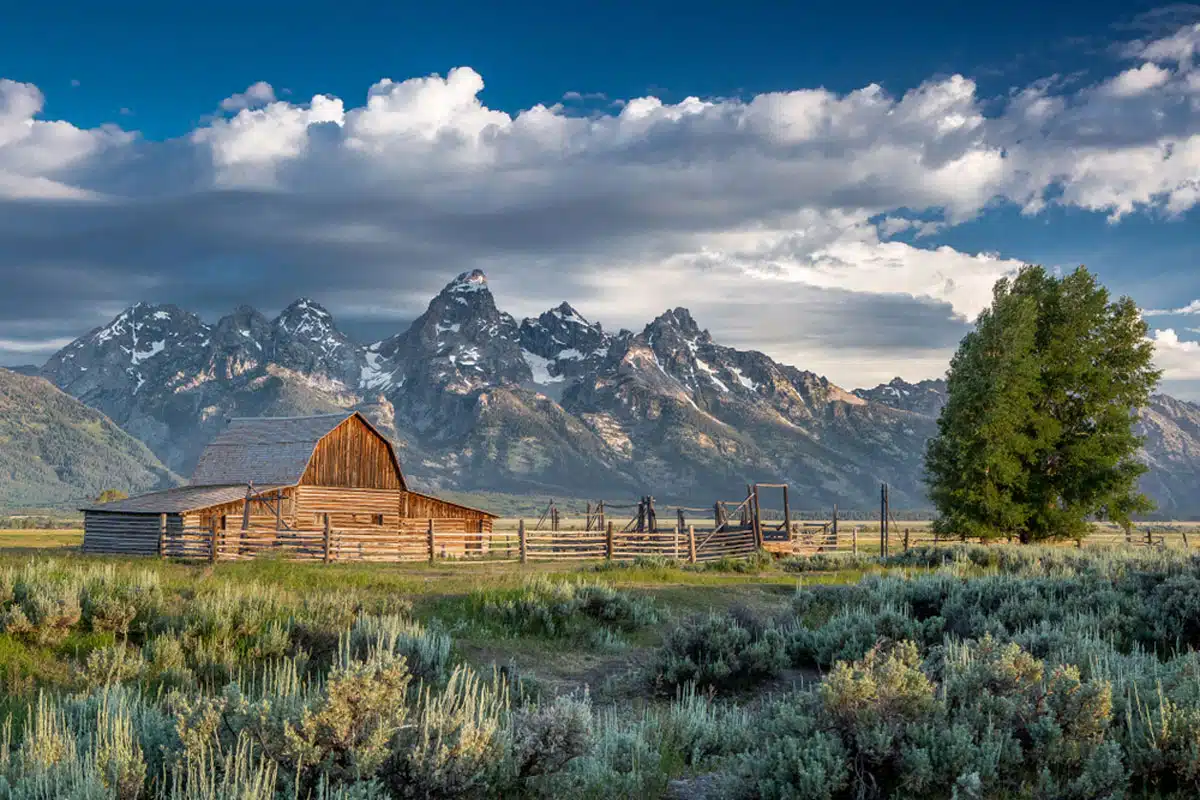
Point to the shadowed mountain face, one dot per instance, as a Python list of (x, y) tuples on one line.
[(554, 404), (55, 451)]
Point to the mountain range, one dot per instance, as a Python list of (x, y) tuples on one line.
[(479, 401)]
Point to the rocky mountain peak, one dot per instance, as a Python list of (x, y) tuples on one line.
[(561, 344), (246, 322), (240, 342), (675, 325), (305, 319), (461, 343), (925, 397), (140, 344), (305, 339), (470, 290)]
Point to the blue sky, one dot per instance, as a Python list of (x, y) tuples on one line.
[(123, 178), (171, 63)]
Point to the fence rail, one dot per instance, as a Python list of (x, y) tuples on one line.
[(449, 540)]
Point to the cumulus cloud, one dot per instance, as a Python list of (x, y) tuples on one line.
[(1178, 359), (258, 94), (1136, 81), (801, 196)]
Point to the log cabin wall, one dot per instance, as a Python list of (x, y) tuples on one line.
[(348, 507), (127, 534), (353, 456), (423, 506)]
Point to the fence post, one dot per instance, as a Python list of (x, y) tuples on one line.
[(882, 520), (1185, 541), (328, 553), (521, 541), (162, 536), (854, 540), (608, 542), (212, 540), (676, 532), (758, 534), (429, 535), (836, 542), (692, 543), (787, 514), (906, 540)]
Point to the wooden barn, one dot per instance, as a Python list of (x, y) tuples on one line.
[(272, 474)]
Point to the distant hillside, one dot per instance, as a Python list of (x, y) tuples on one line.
[(55, 451), (24, 369)]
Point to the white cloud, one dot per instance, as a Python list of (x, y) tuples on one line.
[(1179, 48), (1191, 308), (792, 193), (256, 95), (35, 155), (42, 347), (1138, 80), (1178, 359)]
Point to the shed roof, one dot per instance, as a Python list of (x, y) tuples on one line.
[(179, 500), (265, 450)]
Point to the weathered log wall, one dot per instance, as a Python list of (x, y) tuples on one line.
[(353, 456), (128, 534)]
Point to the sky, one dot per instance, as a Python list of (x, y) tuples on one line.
[(836, 184)]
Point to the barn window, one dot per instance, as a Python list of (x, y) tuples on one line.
[(379, 519), (224, 522)]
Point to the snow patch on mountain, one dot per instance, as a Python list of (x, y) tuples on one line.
[(540, 367), (139, 356)]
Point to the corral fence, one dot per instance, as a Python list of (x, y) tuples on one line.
[(609, 531), (450, 540)]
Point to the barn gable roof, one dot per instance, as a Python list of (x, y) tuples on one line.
[(269, 450)]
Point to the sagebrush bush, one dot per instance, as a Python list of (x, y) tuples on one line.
[(426, 652), (566, 610), (993, 672), (718, 651)]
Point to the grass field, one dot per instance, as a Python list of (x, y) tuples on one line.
[(953, 672)]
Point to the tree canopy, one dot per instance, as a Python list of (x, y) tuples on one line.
[(1037, 434), (111, 496)]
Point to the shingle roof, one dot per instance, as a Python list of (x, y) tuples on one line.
[(265, 450), (179, 500)]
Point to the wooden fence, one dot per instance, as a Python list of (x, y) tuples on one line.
[(449, 540)]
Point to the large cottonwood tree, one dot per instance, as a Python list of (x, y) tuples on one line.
[(1037, 435)]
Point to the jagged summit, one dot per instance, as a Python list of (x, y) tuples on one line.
[(467, 282), (679, 319), (925, 397)]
